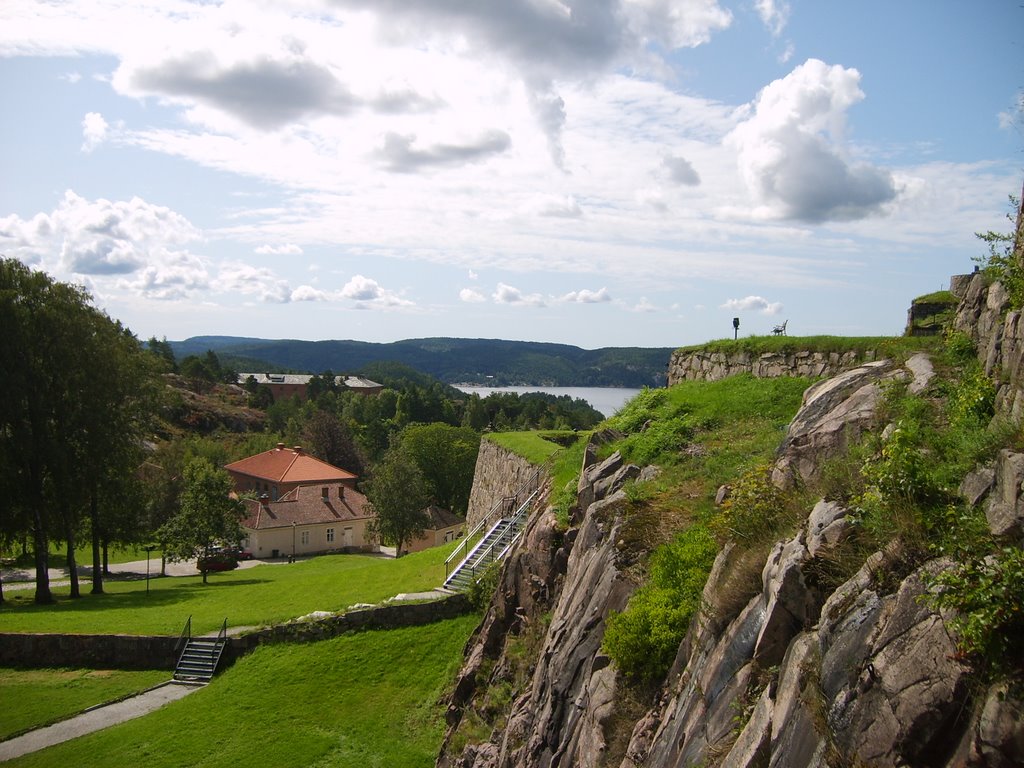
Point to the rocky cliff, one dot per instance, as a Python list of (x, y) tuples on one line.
[(807, 669), (711, 366)]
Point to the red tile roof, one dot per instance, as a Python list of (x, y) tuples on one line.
[(441, 518), (289, 465), (306, 505)]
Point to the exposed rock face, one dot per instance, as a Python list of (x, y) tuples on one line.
[(808, 670), (560, 718)]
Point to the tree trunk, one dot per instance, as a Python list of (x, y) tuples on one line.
[(97, 570), (42, 558), (69, 537)]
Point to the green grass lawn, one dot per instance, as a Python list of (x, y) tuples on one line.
[(532, 446), (257, 596), (899, 347), (37, 697), (364, 699)]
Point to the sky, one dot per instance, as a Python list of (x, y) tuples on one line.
[(589, 172)]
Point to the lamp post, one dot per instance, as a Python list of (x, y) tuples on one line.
[(735, 328), (293, 542), (149, 548)]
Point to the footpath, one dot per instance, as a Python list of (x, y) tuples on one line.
[(94, 719)]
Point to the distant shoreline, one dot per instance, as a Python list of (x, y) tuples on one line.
[(606, 400)]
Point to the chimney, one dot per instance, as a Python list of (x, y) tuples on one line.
[(264, 499), (280, 446), (297, 449)]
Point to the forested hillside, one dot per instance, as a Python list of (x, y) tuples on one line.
[(473, 361)]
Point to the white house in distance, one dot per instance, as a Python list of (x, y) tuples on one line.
[(309, 519), (444, 526)]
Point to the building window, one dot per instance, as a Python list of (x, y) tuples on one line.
[(305, 538), (330, 535)]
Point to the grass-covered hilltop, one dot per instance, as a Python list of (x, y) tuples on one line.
[(802, 551)]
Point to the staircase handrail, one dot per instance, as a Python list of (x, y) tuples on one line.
[(186, 634), (222, 640), (488, 551), (531, 485)]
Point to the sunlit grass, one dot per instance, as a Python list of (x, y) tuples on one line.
[(364, 699), (37, 697), (256, 596)]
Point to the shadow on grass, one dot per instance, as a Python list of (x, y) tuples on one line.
[(165, 594)]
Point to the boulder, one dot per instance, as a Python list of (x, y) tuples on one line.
[(1005, 511), (827, 526), (977, 484)]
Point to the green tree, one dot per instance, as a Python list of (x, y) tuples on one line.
[(76, 387), (327, 438), (398, 497), (446, 456), (207, 515)]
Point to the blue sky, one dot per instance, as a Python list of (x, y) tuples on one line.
[(602, 173)]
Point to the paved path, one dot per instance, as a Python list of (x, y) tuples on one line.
[(94, 720)]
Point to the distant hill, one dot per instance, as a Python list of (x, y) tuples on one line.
[(491, 362)]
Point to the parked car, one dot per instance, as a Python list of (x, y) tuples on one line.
[(217, 561), (239, 553)]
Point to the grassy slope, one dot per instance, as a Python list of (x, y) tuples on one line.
[(251, 597), (365, 699), (45, 696), (881, 346)]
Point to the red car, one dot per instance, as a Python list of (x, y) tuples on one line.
[(219, 561)]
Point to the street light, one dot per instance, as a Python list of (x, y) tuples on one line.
[(735, 328), (293, 542), (149, 548)]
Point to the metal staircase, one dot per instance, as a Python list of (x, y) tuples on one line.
[(200, 655), (493, 545)]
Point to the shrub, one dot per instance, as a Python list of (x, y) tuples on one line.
[(987, 595), (482, 590), (754, 510), (643, 639)]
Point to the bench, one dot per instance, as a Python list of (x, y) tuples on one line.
[(780, 330)]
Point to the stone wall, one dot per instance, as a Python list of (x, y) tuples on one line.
[(713, 366), (40, 651), (499, 474)]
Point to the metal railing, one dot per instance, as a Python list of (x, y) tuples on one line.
[(185, 636), (504, 505), (504, 540)]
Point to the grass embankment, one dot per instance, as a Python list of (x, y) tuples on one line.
[(364, 699), (38, 697), (258, 596), (702, 435), (899, 347), (535, 447)]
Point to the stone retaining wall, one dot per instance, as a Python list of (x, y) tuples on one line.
[(41, 651), (499, 473), (714, 366)]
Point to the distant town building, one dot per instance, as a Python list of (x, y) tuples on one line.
[(444, 526), (285, 385)]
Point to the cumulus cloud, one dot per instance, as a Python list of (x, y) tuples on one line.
[(288, 249), (263, 92), (789, 150), (471, 296), (308, 293), (399, 155), (564, 207), (237, 277), (753, 304), (94, 131), (774, 14), (587, 297), (369, 294), (174, 275), (680, 170), (507, 294), (108, 238)]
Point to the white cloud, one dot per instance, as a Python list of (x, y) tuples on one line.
[(471, 296), (237, 277), (680, 170), (399, 155), (790, 150), (308, 293), (643, 306), (288, 249), (587, 297), (753, 304), (94, 131), (368, 294), (560, 207), (774, 14), (507, 294), (473, 275)]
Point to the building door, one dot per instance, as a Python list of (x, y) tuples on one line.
[(346, 537)]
